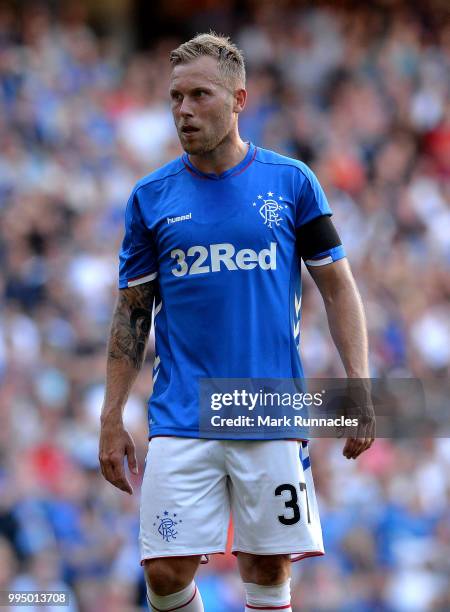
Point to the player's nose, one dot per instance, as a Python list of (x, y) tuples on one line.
[(185, 109)]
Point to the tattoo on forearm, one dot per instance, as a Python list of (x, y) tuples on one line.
[(131, 324)]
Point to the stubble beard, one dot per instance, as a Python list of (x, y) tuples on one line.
[(205, 145), (198, 148), (211, 141)]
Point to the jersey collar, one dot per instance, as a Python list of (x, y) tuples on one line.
[(242, 165)]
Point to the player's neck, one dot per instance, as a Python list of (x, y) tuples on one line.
[(227, 155)]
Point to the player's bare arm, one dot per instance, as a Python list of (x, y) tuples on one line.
[(131, 327), (347, 323), (126, 352)]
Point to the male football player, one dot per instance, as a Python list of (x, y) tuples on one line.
[(214, 239)]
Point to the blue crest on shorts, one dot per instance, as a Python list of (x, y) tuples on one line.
[(167, 526)]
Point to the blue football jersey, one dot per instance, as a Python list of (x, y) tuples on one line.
[(222, 250)]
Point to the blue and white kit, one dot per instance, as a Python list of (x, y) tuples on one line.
[(222, 250)]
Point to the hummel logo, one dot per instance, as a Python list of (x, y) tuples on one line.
[(180, 218)]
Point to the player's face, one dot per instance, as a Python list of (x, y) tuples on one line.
[(203, 106)]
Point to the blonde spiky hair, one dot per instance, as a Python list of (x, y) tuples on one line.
[(230, 59)]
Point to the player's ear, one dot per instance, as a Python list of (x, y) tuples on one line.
[(240, 97)]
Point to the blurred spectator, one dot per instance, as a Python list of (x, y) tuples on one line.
[(44, 575)]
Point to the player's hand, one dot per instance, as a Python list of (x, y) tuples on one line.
[(115, 444), (360, 406)]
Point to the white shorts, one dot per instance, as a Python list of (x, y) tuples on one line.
[(191, 485)]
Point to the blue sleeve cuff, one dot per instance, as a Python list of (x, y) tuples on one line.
[(326, 257), (137, 280)]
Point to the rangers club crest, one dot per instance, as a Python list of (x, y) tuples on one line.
[(167, 526), (270, 208)]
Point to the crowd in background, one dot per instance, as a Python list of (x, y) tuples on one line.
[(361, 96)]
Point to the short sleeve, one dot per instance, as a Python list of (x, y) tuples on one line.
[(312, 201), (138, 261)]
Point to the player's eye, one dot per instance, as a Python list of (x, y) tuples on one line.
[(200, 93), (176, 96)]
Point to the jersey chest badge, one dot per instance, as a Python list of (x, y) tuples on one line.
[(270, 208)]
